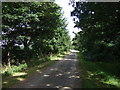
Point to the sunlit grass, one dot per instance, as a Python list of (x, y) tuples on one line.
[(19, 74), (58, 56), (99, 74), (20, 79), (37, 70), (112, 81), (5, 82)]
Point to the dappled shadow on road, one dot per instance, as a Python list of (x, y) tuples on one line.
[(69, 59), (60, 79), (62, 75)]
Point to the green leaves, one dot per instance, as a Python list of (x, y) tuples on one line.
[(37, 28), (100, 26)]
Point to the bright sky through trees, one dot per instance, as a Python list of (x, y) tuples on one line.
[(66, 9)]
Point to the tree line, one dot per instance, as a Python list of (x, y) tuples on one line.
[(99, 39), (32, 30)]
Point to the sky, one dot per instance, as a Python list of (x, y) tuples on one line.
[(66, 8)]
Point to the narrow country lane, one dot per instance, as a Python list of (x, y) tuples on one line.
[(63, 74)]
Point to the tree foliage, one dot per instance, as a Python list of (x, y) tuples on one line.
[(32, 29), (99, 39)]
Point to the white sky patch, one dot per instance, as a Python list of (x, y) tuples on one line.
[(67, 9)]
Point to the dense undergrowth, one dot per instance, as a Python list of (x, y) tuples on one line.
[(99, 74)]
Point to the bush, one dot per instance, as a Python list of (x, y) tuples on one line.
[(21, 67), (8, 73)]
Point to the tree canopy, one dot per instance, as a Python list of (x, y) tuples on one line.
[(99, 39), (32, 30)]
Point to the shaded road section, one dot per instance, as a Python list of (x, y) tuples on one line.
[(63, 74)]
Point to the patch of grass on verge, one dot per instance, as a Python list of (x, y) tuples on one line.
[(21, 74), (99, 74)]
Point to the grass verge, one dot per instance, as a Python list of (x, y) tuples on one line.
[(99, 74), (26, 72)]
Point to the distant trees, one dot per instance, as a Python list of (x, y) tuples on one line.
[(32, 30), (99, 39)]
